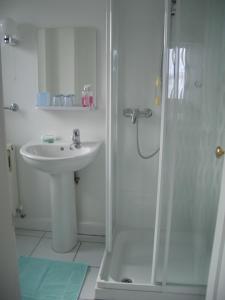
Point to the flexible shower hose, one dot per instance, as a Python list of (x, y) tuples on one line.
[(138, 144), (139, 149)]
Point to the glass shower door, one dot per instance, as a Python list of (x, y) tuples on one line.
[(194, 127)]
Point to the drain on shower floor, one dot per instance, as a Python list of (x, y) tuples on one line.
[(126, 280)]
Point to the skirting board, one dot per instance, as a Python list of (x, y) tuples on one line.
[(114, 294), (44, 224)]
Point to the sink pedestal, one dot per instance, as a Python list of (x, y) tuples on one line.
[(60, 160), (63, 210)]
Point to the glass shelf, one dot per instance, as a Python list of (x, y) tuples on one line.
[(65, 108)]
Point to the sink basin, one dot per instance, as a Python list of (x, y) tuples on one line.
[(60, 160), (59, 157)]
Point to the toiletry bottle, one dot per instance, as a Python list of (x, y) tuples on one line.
[(85, 97), (91, 97)]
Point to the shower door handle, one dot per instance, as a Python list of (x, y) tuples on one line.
[(219, 152)]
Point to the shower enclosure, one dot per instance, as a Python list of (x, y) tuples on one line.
[(162, 211)]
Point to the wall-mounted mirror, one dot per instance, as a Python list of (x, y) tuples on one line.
[(66, 60)]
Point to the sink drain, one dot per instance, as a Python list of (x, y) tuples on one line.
[(126, 280)]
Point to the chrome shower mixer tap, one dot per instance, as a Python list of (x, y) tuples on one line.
[(136, 113)]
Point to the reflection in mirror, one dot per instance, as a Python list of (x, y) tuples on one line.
[(66, 61)]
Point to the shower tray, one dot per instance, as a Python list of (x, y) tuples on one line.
[(127, 271)]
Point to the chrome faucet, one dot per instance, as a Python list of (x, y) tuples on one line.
[(76, 138)]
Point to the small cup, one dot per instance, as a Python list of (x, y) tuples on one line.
[(73, 99), (43, 99), (68, 100), (57, 100), (76, 101)]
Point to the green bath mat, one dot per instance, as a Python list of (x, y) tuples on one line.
[(44, 279)]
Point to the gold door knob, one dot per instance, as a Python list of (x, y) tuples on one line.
[(219, 152)]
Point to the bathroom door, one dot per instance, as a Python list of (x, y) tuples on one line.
[(9, 282), (194, 126)]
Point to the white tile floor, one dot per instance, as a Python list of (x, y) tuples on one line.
[(38, 244)]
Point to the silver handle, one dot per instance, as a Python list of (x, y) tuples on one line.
[(13, 107)]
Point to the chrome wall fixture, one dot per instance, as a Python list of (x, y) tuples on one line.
[(13, 107), (9, 40), (173, 8), (8, 32), (135, 114)]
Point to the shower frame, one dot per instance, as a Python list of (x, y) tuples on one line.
[(116, 290)]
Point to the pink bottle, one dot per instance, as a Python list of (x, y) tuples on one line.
[(91, 99), (85, 96)]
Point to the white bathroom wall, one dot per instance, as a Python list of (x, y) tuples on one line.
[(20, 84), (140, 53)]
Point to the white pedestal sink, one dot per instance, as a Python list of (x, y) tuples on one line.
[(60, 160)]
